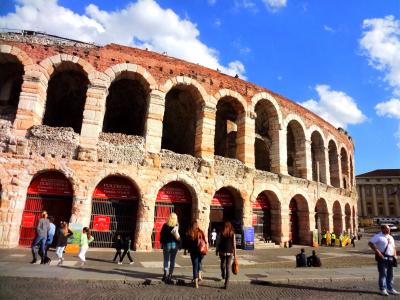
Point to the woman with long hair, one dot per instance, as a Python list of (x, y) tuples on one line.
[(63, 234), (194, 236), (226, 248), (86, 239), (169, 242)]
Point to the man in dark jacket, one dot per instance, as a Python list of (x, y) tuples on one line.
[(42, 231), (301, 259), (313, 260)]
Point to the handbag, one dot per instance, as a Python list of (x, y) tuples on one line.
[(235, 266), (202, 246), (394, 262), (175, 233)]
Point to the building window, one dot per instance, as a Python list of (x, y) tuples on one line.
[(379, 190)]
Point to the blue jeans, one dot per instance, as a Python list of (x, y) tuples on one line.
[(41, 241), (169, 257), (385, 269), (196, 263)]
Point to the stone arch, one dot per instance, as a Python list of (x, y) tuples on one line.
[(333, 163), (344, 162), (229, 124), (100, 177), (266, 96), (299, 222), (184, 104), (337, 218), (127, 100), (267, 214), (185, 81), (267, 125), (296, 147), (347, 213), (21, 55), (318, 156), (321, 215), (66, 93)]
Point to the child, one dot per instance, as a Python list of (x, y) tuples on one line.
[(63, 234), (127, 251), (118, 244), (86, 239)]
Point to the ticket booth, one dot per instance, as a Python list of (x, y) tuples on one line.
[(50, 191)]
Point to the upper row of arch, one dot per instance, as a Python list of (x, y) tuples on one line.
[(104, 79)]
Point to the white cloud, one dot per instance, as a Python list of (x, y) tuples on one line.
[(329, 29), (381, 44), (336, 107), (142, 23), (245, 4), (275, 5), (389, 109), (217, 23)]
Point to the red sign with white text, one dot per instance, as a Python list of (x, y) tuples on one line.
[(28, 220), (222, 197), (50, 183), (261, 202), (101, 223), (115, 188), (174, 192)]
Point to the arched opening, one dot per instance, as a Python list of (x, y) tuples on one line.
[(126, 105), (267, 217), (50, 191), (337, 218), (66, 96), (321, 216), (333, 164), (11, 72), (351, 173), (266, 135), (347, 213), (182, 110), (226, 205), (114, 211), (299, 223), (172, 197), (296, 155), (345, 169), (318, 157), (227, 127)]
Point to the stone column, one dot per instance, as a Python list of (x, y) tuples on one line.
[(275, 149), (205, 131), (203, 212), (340, 171), (327, 166), (331, 221), (145, 224), (81, 209), (385, 201), (363, 202), (374, 203), (306, 172), (282, 136), (154, 121), (245, 139), (285, 227)]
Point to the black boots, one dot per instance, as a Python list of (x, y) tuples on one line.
[(164, 277)]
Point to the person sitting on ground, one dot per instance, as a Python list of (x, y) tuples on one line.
[(314, 260), (301, 259)]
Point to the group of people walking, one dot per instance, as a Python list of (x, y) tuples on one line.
[(195, 243)]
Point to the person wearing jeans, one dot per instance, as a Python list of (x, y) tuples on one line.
[(62, 239), (42, 231), (385, 252), (169, 242), (226, 248)]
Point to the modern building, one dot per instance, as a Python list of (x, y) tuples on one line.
[(379, 194), (116, 138)]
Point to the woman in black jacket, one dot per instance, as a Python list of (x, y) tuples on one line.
[(226, 248), (63, 234), (169, 240)]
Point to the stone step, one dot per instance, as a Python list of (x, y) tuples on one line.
[(265, 245)]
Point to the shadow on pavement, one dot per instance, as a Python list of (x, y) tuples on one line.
[(313, 288)]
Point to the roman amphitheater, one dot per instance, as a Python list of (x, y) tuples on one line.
[(115, 138)]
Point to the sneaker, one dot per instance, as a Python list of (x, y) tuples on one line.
[(200, 275), (34, 261), (196, 283), (82, 264), (131, 263), (384, 293), (393, 292), (120, 263)]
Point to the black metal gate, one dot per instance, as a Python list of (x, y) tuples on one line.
[(122, 214), (262, 224)]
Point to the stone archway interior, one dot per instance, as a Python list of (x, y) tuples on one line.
[(126, 107), (180, 120), (333, 164), (11, 72), (296, 150), (347, 211), (299, 220), (337, 218), (322, 215), (318, 157), (345, 169), (66, 96)]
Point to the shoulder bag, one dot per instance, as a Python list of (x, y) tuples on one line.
[(235, 264)]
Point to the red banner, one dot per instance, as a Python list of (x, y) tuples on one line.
[(222, 197), (174, 192), (254, 220), (115, 188), (101, 223), (261, 202), (50, 183), (28, 220)]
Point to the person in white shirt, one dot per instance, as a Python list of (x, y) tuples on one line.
[(385, 254), (213, 237)]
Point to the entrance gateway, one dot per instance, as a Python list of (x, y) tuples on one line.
[(262, 218), (223, 209), (172, 197), (50, 191), (114, 211), (293, 222)]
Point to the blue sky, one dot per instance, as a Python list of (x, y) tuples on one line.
[(339, 58)]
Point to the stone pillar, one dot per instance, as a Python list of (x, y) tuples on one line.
[(154, 121), (81, 209), (275, 149), (245, 139), (385, 201), (205, 131), (92, 123), (340, 171), (145, 224), (282, 156), (331, 221), (306, 172), (202, 214), (276, 226), (327, 166), (247, 212), (363, 202), (304, 219), (374, 203), (285, 227)]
